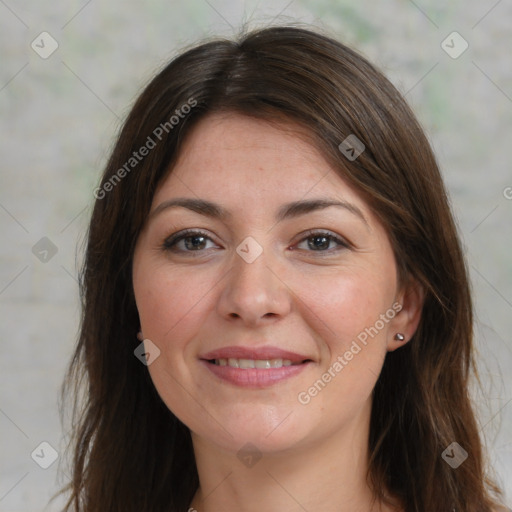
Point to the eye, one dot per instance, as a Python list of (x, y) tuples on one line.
[(193, 241), (319, 241), (190, 241)]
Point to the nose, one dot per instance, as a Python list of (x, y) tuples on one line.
[(253, 292)]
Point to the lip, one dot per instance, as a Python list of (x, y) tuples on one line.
[(268, 352), (254, 377)]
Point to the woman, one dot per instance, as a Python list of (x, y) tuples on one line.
[(276, 311)]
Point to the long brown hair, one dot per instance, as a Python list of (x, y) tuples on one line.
[(130, 453)]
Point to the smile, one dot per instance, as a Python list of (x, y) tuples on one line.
[(253, 366)]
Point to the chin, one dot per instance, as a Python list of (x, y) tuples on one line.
[(266, 436)]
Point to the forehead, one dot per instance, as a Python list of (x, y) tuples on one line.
[(233, 158)]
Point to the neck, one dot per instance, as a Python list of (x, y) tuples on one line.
[(327, 474)]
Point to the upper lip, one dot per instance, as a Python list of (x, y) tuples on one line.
[(266, 352)]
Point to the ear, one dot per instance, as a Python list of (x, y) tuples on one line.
[(405, 322)]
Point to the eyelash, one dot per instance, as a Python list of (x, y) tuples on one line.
[(171, 241)]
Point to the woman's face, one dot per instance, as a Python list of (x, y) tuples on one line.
[(274, 320)]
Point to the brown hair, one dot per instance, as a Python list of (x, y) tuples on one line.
[(130, 453)]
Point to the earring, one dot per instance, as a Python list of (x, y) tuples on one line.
[(139, 336), (399, 336)]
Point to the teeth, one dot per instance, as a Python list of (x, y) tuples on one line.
[(253, 363)]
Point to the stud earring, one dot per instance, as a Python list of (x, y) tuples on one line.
[(399, 336)]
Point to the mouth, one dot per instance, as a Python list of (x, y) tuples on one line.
[(254, 367), (260, 364)]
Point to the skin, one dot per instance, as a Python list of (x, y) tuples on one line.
[(313, 302)]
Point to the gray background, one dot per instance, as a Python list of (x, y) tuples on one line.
[(58, 119)]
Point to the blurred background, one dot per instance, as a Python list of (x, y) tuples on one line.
[(69, 72)]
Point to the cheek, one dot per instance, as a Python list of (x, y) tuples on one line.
[(167, 300), (343, 312), (170, 303), (345, 303)]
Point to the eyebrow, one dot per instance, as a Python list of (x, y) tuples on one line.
[(287, 211)]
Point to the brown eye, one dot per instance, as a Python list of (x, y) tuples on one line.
[(321, 242), (186, 241)]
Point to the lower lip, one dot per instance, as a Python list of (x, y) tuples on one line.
[(254, 377)]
